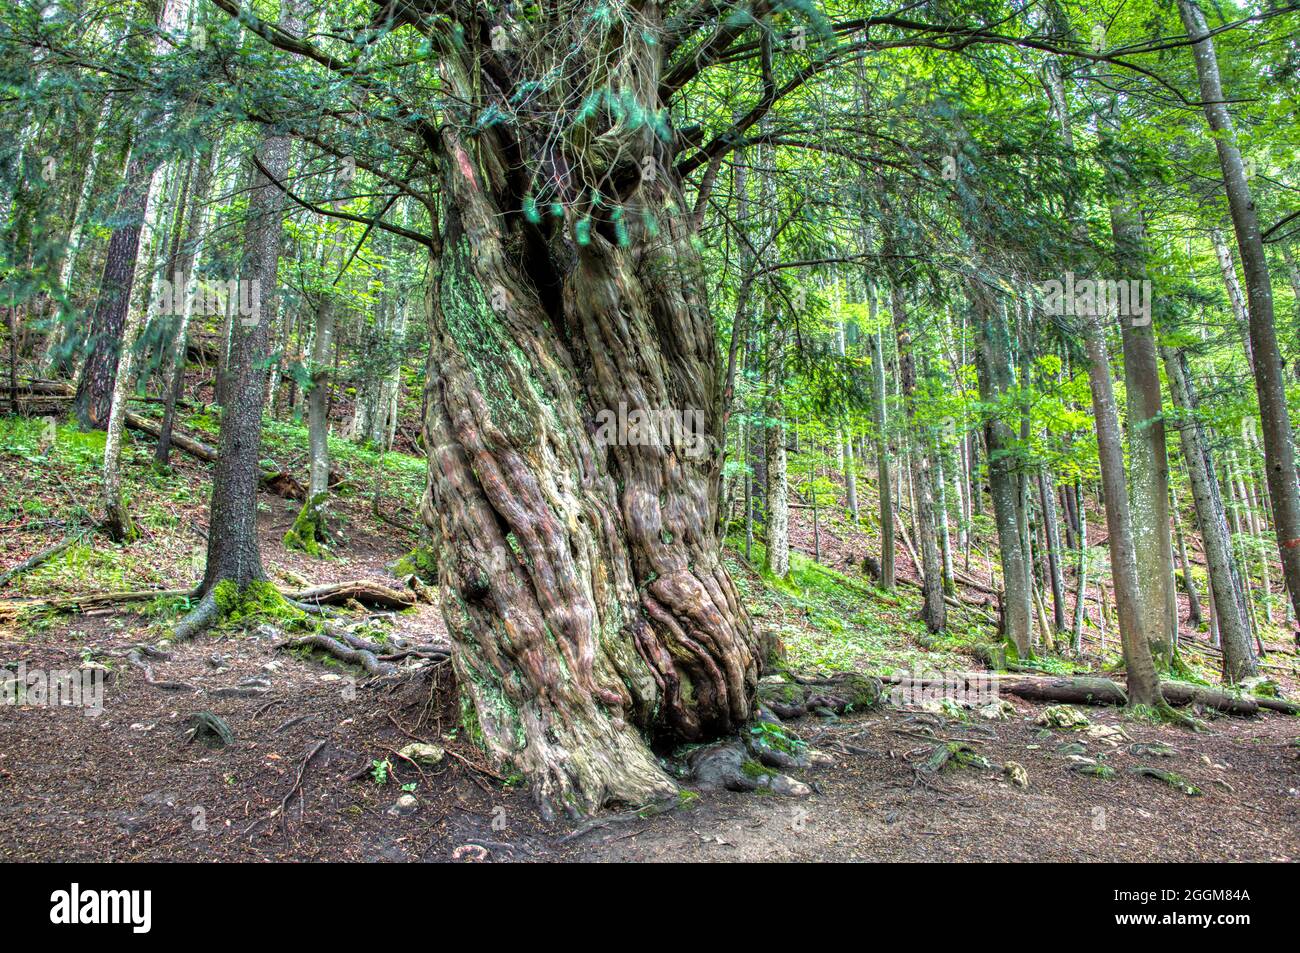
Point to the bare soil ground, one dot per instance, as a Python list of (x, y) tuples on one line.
[(298, 781), (126, 786)]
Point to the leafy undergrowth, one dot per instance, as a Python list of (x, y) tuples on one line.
[(829, 621), (365, 469), (51, 474)]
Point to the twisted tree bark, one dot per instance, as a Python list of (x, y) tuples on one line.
[(579, 568)]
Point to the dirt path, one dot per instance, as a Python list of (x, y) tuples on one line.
[(127, 786), (867, 807)]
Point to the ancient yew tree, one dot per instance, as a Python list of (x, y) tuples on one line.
[(580, 576), (581, 582), (565, 184)]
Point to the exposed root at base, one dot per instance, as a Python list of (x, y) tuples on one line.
[(201, 618), (757, 761), (359, 653), (136, 658)]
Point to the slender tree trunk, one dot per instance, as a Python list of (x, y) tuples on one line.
[(93, 400), (1228, 270), (745, 439), (309, 530), (1052, 545), (993, 366), (60, 339), (846, 444), (1067, 507), (1081, 572), (234, 560), (817, 529), (1143, 683), (1293, 274), (933, 609), (107, 326), (117, 518), (225, 356), (195, 233), (777, 525), (1279, 451), (1148, 458), (945, 537), (880, 421), (391, 387), (316, 403), (233, 553), (1194, 617)]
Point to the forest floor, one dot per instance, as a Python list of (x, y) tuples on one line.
[(300, 782)]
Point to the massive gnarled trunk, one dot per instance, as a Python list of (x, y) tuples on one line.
[(579, 561)]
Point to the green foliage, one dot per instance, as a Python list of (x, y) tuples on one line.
[(308, 533), (420, 562), (257, 602)]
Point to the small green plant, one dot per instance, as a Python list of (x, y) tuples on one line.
[(774, 736), (379, 770)]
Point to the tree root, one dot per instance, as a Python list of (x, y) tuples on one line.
[(297, 784), (1176, 781), (1171, 715), (135, 657), (730, 766), (200, 618), (312, 608), (795, 696), (364, 657), (313, 599)]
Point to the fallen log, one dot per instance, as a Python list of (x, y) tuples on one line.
[(204, 349), (957, 601), (274, 481), (1085, 690), (365, 591), (45, 554), (972, 583), (191, 446), (794, 697)]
